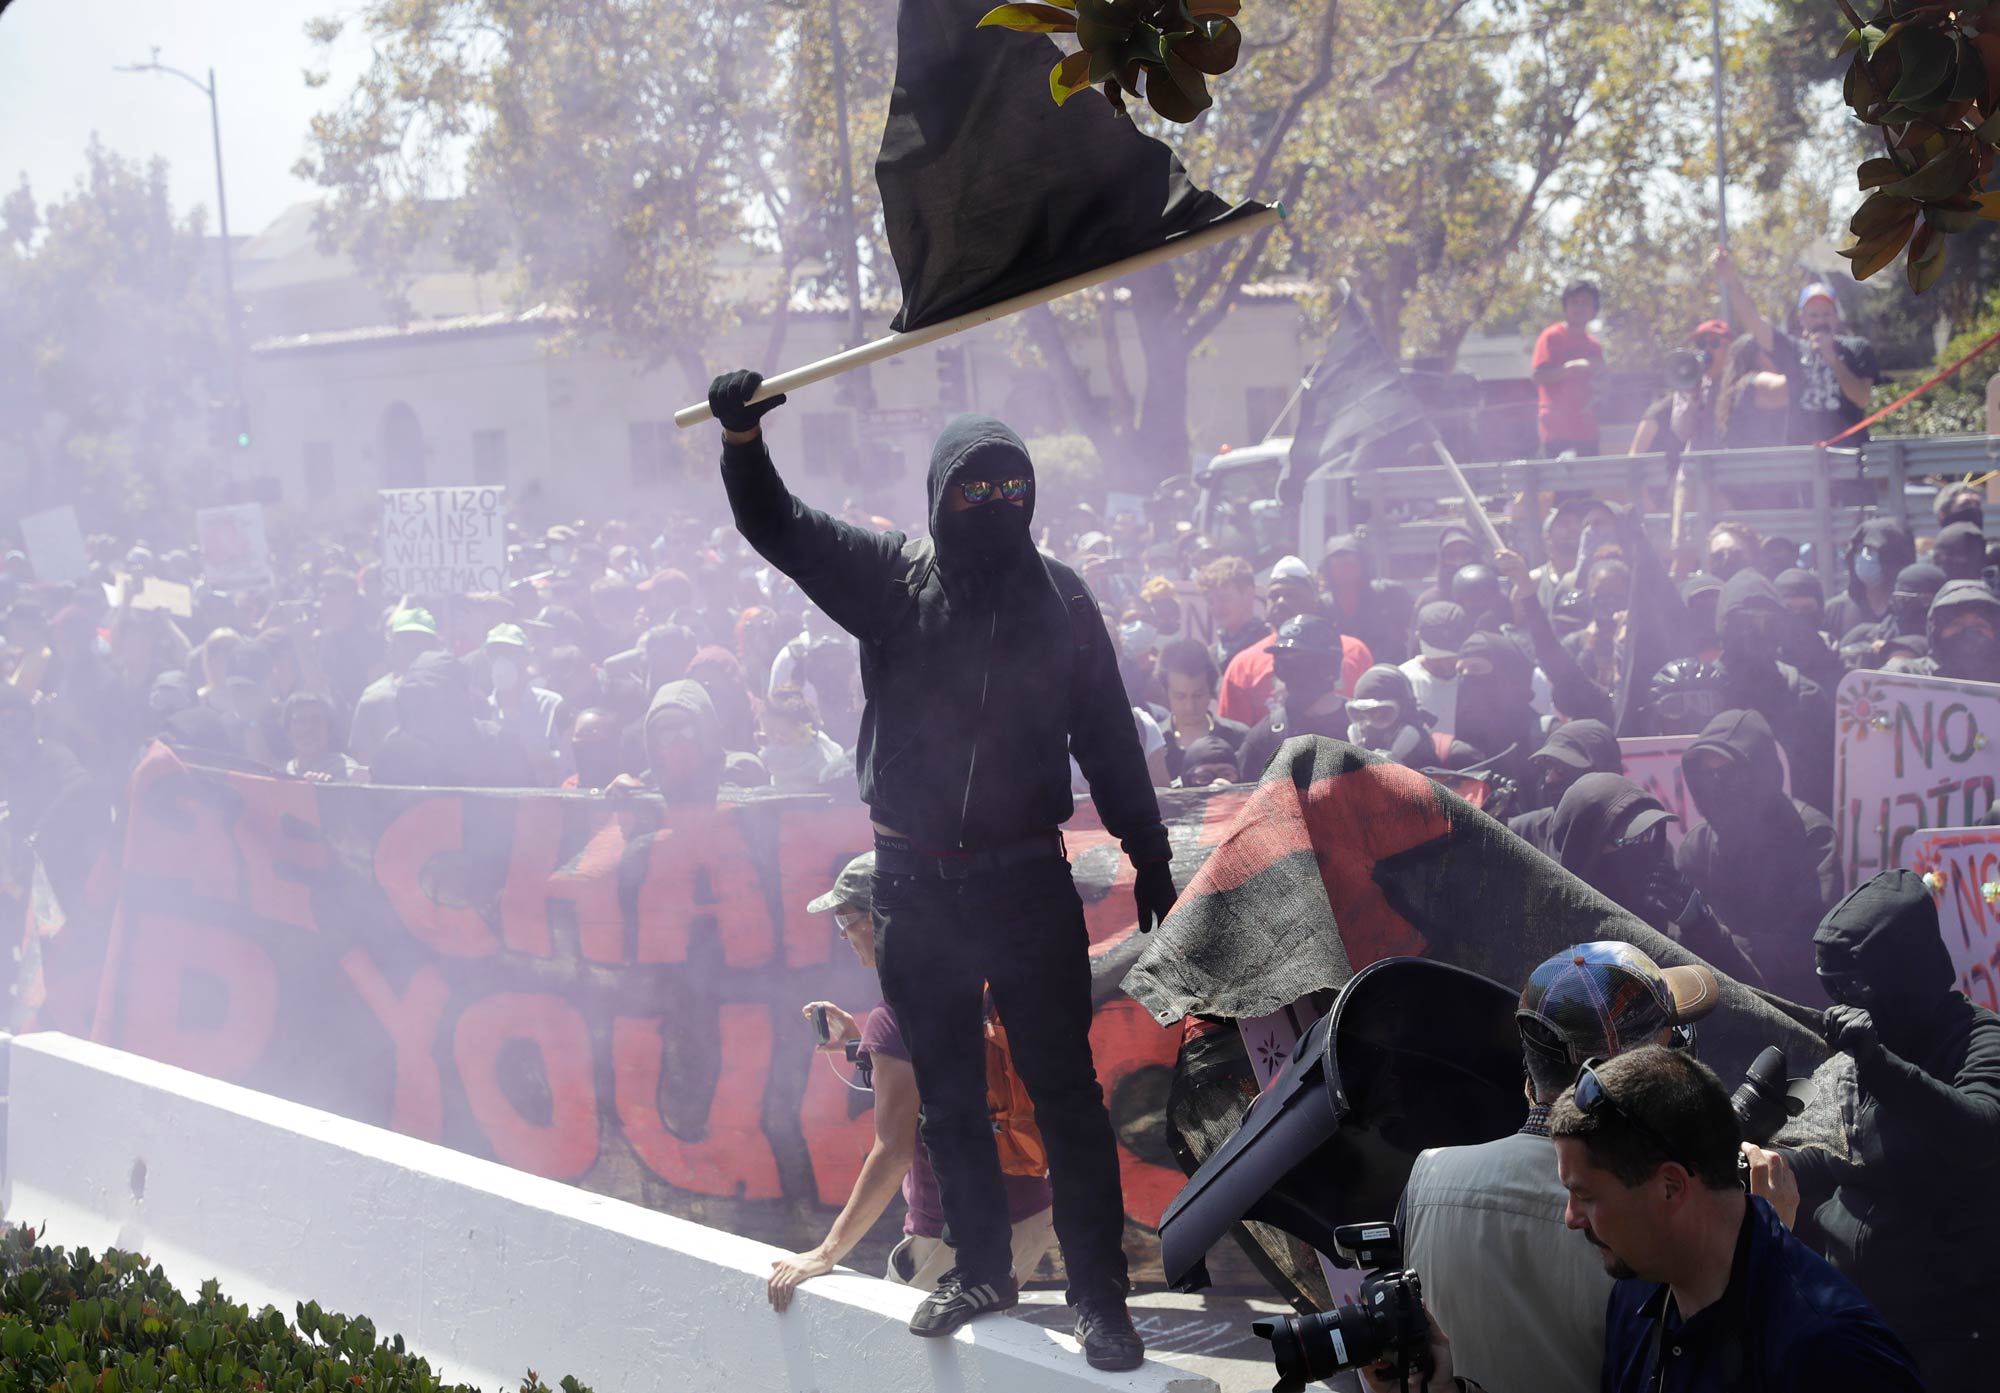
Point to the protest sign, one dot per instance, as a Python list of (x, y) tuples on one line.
[(1909, 753), (54, 544), (1654, 763), (444, 541), (152, 593), (1964, 864), (607, 992), (234, 552)]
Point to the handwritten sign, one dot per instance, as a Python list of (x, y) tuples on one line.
[(1965, 863), (1654, 763), (1909, 753), (234, 552), (444, 541), (55, 545)]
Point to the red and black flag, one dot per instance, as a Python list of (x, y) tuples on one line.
[(991, 190)]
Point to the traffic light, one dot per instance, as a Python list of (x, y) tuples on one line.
[(952, 393), (240, 418)]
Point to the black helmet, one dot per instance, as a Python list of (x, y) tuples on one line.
[(1476, 589), (1684, 696), (1311, 633)]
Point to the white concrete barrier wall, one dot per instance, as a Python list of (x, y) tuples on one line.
[(484, 1270)]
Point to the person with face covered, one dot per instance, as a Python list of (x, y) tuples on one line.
[(1899, 1216), (439, 740), (1374, 611), (1307, 657), (1249, 680), (1457, 548), (1962, 628), (1767, 863), (1572, 750), (1496, 711), (1960, 552), (1383, 715), (1750, 620), (1803, 640), (1876, 552), (985, 665), (1904, 632), (1612, 835)]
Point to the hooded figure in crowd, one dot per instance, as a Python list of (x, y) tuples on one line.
[(1803, 643), (1907, 1219), (439, 742), (684, 754), (1768, 864), (1611, 834), (34, 776), (986, 666), (1306, 656), (1963, 632), (1375, 611), (1496, 711), (1960, 552), (1457, 549), (1751, 620), (1383, 715), (1876, 551), (1903, 632), (1572, 750)]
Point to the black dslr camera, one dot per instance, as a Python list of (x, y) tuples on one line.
[(1387, 1323), (1686, 368), (1765, 1102)]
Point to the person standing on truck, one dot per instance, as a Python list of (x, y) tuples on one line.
[(1565, 366)]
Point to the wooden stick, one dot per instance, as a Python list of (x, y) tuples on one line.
[(1472, 504), (892, 344)]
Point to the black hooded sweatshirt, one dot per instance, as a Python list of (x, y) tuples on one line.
[(1592, 742), (1767, 863), (1954, 658), (1798, 710), (1893, 542), (984, 664), (1909, 1219), (1382, 616)]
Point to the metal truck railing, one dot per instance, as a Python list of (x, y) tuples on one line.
[(1814, 495)]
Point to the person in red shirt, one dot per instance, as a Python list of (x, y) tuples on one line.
[(1250, 681), (1565, 367)]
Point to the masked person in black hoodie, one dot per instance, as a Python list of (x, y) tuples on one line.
[(1457, 549), (1378, 612), (1909, 1219), (1572, 750), (1964, 629), (1383, 715), (1767, 863), (1612, 835), (985, 666), (1306, 658), (1875, 645), (1877, 550), (1496, 705), (1750, 620)]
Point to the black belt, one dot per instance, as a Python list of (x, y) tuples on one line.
[(895, 856)]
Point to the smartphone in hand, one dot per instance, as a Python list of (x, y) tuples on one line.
[(822, 1032)]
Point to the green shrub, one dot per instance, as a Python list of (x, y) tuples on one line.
[(73, 1323)]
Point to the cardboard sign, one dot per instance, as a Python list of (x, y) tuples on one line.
[(1654, 763), (1965, 863), (1909, 753), (153, 594), (444, 541), (54, 544), (234, 552)]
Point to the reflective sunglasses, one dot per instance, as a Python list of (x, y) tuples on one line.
[(1592, 1099), (978, 491), (1848, 988)]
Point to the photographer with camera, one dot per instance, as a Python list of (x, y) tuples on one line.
[(1908, 1219), (1684, 418), (896, 1160), (1521, 1299), (1712, 1291)]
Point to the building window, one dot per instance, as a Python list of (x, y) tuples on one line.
[(655, 452), (1261, 406), (489, 457), (319, 470)]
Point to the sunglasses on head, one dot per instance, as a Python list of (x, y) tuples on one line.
[(978, 491), (1594, 1100)]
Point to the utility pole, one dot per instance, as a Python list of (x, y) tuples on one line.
[(1721, 151), (230, 317)]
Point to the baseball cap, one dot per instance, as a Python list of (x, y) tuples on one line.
[(1717, 327), (1138, 636), (1818, 290), (1289, 568), (852, 888), (507, 633), (1441, 627), (1601, 998), (414, 621), (1583, 746)]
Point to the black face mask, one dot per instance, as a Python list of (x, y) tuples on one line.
[(1753, 642), (984, 535), (1971, 653)]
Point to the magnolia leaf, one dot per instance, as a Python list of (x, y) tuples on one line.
[(1177, 92), (1104, 24), (1960, 215), (1103, 65), (1943, 178), (1226, 8), (1927, 56), (1212, 50), (1877, 172), (1968, 74), (1069, 77), (1029, 19), (1871, 256), (1925, 262), (1881, 212)]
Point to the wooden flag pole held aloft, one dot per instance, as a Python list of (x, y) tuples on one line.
[(891, 344), (1475, 510)]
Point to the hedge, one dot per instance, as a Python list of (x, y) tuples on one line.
[(74, 1323)]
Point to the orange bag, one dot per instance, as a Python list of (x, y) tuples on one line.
[(1015, 1135)]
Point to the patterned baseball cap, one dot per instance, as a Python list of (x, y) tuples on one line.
[(852, 889), (1601, 998)]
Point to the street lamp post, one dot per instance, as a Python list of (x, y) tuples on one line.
[(1721, 152), (207, 89)]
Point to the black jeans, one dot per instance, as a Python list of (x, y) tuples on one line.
[(939, 945)]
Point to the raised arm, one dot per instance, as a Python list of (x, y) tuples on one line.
[(1743, 312)]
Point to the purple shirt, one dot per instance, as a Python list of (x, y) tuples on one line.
[(1026, 1194)]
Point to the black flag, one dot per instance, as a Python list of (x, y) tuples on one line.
[(991, 190), (1355, 399)]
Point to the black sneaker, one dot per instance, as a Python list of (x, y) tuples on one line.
[(958, 1300), (1104, 1329)]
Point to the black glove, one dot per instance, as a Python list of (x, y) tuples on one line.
[(1850, 1030), (729, 399), (1154, 891)]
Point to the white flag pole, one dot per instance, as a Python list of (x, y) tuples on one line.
[(1475, 510), (891, 344)]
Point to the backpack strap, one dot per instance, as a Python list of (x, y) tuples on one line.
[(1084, 618)]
